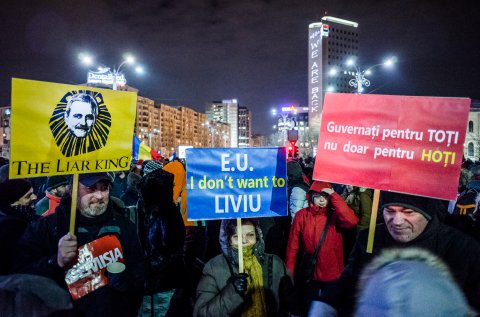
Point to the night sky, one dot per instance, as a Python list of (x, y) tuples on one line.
[(256, 51)]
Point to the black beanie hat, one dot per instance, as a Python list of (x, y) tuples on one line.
[(57, 181), (12, 190), (423, 205)]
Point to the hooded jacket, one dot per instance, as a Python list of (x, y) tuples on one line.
[(308, 226), (216, 296), (409, 282), (163, 232), (13, 222)]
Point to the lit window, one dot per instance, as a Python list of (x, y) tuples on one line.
[(470, 149)]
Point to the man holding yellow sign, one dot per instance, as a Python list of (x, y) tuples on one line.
[(64, 129), (81, 261)]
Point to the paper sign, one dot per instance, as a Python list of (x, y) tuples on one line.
[(88, 272), (65, 129), (236, 183), (406, 144)]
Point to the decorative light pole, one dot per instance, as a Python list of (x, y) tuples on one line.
[(285, 123), (146, 133), (116, 75), (155, 132), (359, 80)]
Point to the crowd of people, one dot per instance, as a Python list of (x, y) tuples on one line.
[(312, 262)]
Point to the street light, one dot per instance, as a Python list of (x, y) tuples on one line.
[(144, 133), (359, 80), (139, 70), (155, 132), (88, 60)]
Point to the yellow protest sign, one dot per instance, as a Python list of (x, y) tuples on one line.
[(66, 129)]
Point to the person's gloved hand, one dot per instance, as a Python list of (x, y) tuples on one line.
[(239, 282)]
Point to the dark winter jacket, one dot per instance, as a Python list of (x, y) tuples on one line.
[(37, 254), (130, 197), (360, 201), (217, 297), (119, 184), (13, 222), (131, 194), (163, 232), (307, 229), (459, 251)]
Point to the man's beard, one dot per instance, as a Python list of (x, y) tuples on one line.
[(93, 211)]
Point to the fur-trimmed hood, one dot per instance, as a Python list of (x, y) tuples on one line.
[(227, 229), (409, 282)]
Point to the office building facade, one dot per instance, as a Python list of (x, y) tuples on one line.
[(163, 128), (331, 43), (225, 111), (471, 149), (244, 127)]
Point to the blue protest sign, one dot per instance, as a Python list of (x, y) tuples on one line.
[(227, 183)]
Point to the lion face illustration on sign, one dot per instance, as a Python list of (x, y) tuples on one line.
[(80, 122)]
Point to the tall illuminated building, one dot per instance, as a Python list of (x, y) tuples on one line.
[(331, 43), (225, 111), (244, 127)]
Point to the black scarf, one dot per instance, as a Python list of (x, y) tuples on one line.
[(26, 213)]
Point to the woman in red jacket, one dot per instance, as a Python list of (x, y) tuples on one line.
[(307, 229)]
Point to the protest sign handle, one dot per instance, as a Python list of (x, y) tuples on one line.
[(73, 207), (240, 245), (373, 220)]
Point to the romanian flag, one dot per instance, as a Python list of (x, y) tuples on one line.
[(141, 151)]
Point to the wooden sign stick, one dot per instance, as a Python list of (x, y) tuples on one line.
[(373, 220), (73, 207), (240, 245)]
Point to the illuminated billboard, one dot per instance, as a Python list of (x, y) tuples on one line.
[(106, 77)]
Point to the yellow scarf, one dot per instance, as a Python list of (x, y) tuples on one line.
[(253, 268)]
